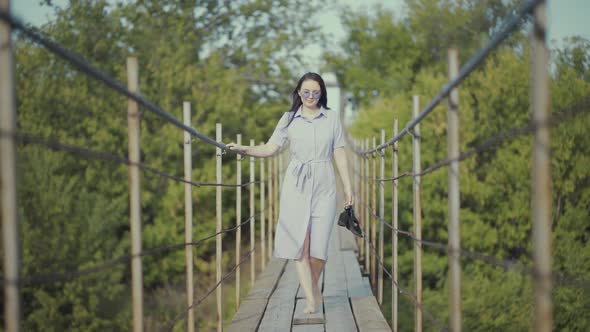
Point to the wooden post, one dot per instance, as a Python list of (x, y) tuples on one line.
[(454, 202), (10, 233), (280, 172), (381, 216), (238, 219), (135, 196), (541, 176), (188, 218), (361, 199), (276, 195), (252, 187), (374, 212), (417, 220), (357, 193), (368, 217), (262, 216), (218, 243), (270, 208), (394, 215)]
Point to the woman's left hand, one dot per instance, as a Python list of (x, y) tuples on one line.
[(348, 199)]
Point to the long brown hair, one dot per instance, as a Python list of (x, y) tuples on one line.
[(323, 102)]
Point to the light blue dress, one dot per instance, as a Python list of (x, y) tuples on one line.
[(308, 194)]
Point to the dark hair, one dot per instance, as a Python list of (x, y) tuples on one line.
[(323, 102)]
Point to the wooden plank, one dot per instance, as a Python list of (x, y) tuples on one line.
[(278, 315), (301, 294), (300, 318), (248, 315), (339, 315), (347, 239), (368, 314), (308, 328), (279, 312), (268, 279), (354, 280), (335, 280), (252, 308)]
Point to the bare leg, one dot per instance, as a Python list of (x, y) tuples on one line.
[(304, 272), (317, 265)]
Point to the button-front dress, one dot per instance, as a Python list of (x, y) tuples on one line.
[(308, 194)]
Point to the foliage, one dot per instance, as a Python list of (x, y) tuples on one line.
[(495, 184)]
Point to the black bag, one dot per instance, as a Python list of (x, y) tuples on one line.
[(348, 219)]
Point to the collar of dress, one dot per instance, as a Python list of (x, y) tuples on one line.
[(322, 112)]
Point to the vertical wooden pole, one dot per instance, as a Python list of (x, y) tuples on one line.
[(368, 217), (280, 173), (417, 219), (454, 202), (357, 192), (252, 187), (238, 219), (10, 233), (270, 208), (262, 215), (374, 212), (541, 177), (381, 216), (135, 196), (361, 198), (188, 218), (218, 243), (394, 215), (276, 193)]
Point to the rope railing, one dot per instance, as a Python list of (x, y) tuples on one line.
[(37, 280), (84, 66), (509, 26), (170, 325), (105, 156), (560, 278), (404, 292), (268, 205), (370, 177)]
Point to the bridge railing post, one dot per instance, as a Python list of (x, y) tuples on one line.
[(368, 217), (252, 188), (417, 218), (381, 217), (454, 198), (394, 216), (10, 233), (135, 196), (238, 218), (541, 175), (262, 214), (188, 217), (218, 242), (360, 198), (270, 208), (374, 213)]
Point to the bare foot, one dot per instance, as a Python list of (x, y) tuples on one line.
[(317, 295), (309, 309)]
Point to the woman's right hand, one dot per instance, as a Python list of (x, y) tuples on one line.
[(237, 147)]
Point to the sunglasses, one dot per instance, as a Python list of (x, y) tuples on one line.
[(315, 95)]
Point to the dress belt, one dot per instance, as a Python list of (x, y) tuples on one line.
[(302, 171)]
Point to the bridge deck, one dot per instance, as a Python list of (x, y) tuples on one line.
[(275, 303)]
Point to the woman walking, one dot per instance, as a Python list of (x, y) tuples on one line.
[(308, 197)]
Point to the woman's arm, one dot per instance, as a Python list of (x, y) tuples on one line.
[(342, 164), (262, 151)]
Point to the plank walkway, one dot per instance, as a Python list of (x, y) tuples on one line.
[(276, 302)]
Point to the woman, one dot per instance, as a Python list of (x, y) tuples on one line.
[(308, 197)]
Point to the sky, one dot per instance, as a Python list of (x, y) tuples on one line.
[(565, 18)]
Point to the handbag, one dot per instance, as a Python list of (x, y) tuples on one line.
[(348, 219)]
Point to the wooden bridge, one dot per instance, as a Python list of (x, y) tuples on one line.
[(276, 301)]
